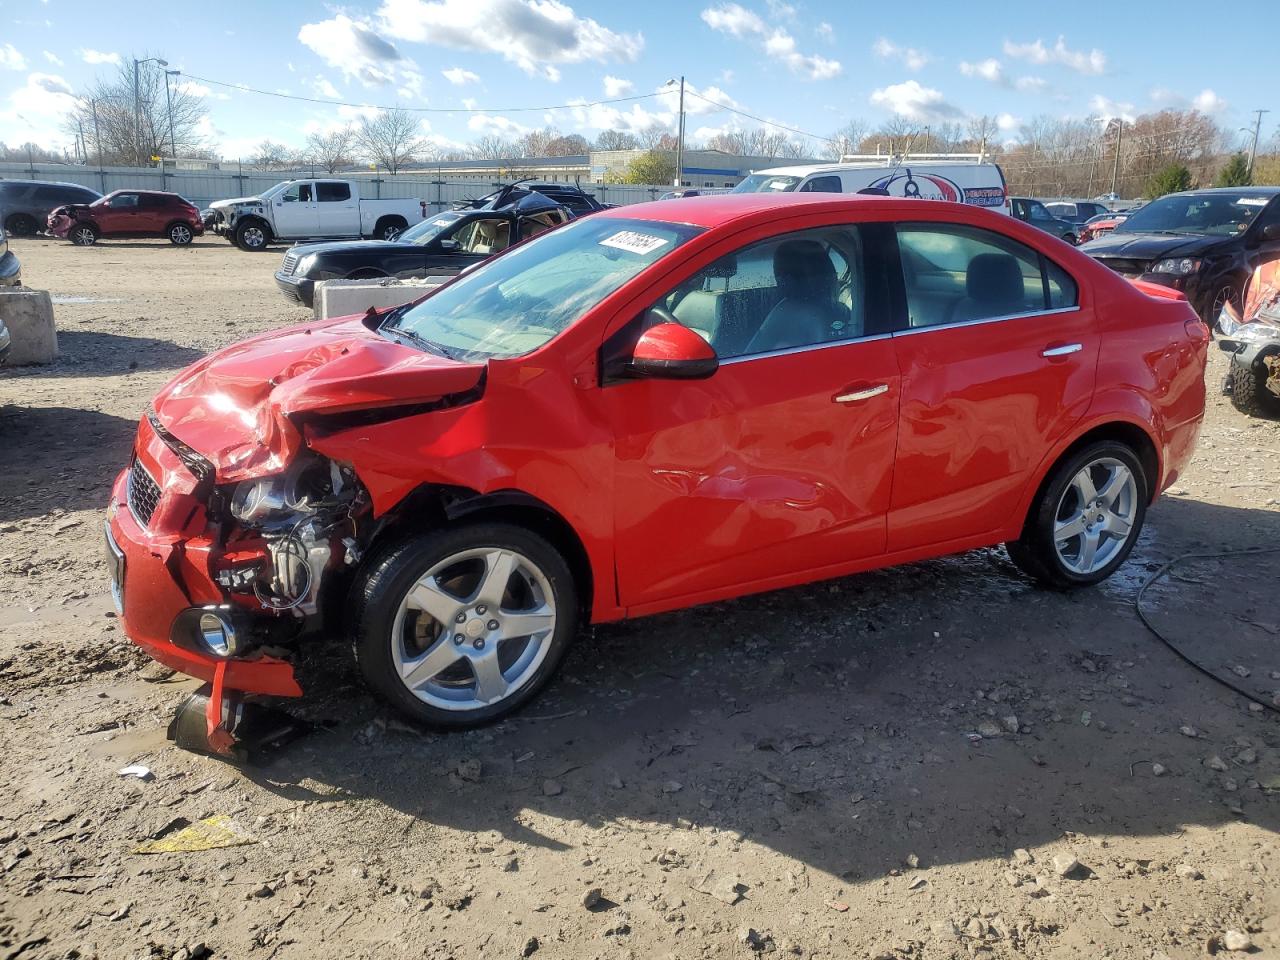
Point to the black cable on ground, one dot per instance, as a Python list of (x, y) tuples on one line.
[(1252, 551)]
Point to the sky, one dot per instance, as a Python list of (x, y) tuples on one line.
[(810, 65)]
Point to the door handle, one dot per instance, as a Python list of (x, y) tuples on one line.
[(857, 396), (1063, 351)]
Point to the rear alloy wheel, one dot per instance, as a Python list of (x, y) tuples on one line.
[(1086, 519), (464, 625), (1220, 299), (180, 235), (83, 235)]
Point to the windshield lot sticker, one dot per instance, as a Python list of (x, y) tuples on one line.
[(634, 242), (1252, 201)]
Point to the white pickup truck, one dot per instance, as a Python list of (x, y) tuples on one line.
[(309, 210)]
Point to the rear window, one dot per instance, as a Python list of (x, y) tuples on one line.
[(330, 192)]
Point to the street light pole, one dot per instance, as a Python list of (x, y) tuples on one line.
[(1115, 167), (137, 106), (1253, 151)]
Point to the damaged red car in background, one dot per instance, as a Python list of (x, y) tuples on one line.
[(1252, 337), (654, 407)]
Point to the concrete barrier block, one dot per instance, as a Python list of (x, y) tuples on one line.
[(341, 298), (29, 316)]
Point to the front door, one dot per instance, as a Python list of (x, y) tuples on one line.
[(997, 361), (782, 461), (295, 211), (120, 216)]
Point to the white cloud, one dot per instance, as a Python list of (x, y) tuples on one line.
[(1007, 122), (533, 34), (1092, 62), (324, 86), (910, 57), (743, 24), (1031, 84), (485, 124), (824, 31), (990, 70), (11, 58), (617, 87), (916, 102), (459, 77), (696, 101), (1206, 101), (191, 88), (95, 57), (52, 58), (1109, 109), (354, 48), (35, 111)]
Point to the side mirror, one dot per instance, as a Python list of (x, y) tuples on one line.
[(448, 245), (671, 351)]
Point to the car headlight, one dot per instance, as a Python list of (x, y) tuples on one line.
[(304, 265), (256, 500), (1178, 266)]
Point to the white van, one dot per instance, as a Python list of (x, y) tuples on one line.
[(961, 178)]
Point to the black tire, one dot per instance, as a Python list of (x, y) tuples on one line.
[(388, 228), (253, 236), (378, 592), (180, 234), (83, 234), (21, 225), (1249, 393), (1212, 306), (1071, 239), (1036, 553)]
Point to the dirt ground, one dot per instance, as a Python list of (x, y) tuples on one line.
[(900, 764)]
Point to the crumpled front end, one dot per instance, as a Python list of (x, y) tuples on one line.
[(61, 220)]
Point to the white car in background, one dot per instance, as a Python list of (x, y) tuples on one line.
[(309, 210), (960, 178)]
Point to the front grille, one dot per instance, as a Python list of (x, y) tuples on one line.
[(144, 494), (290, 261), (1124, 267)]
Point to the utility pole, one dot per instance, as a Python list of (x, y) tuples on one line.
[(1115, 166), (168, 102), (137, 106), (1253, 151), (84, 154), (680, 140)]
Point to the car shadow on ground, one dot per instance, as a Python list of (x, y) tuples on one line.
[(823, 721), (84, 353), (79, 453)]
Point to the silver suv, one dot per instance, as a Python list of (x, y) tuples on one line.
[(26, 203)]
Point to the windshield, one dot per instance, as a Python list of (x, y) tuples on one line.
[(424, 232), (1215, 214), (766, 183), (520, 300)]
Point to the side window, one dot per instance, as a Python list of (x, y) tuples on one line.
[(151, 201), (329, 192), (1038, 212), (800, 289), (294, 193), (821, 185), (538, 223), (123, 201), (954, 273), (484, 236)]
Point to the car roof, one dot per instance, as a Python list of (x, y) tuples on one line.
[(46, 183), (804, 169), (713, 210), (1233, 191)]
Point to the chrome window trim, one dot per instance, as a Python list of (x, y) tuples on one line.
[(911, 331), (806, 348)]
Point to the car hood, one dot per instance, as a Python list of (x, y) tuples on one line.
[(68, 208), (1148, 246), (223, 204), (351, 246), (245, 408)]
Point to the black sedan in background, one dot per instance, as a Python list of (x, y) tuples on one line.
[(441, 245), (1205, 243)]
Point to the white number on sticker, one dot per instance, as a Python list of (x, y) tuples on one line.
[(634, 242)]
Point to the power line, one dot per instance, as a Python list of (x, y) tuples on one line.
[(749, 116), (374, 106)]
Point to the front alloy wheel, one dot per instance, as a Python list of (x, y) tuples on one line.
[(1085, 519), (83, 236), (463, 625)]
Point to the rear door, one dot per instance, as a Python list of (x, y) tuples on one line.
[(998, 361), (295, 212), (337, 212), (154, 213)]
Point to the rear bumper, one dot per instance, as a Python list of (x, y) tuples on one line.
[(159, 578), (298, 289)]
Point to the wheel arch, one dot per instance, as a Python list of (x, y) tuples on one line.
[(438, 504), (389, 220), (253, 218), (1132, 433)]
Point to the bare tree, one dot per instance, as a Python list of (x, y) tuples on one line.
[(616, 140), (654, 136), (491, 147), (570, 145), (332, 150), (105, 114), (391, 138), (270, 155), (845, 140), (983, 130)]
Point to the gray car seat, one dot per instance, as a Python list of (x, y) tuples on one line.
[(993, 288), (808, 310)]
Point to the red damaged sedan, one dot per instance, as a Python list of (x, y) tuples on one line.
[(657, 406)]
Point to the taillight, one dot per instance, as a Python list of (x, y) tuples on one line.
[(1197, 330)]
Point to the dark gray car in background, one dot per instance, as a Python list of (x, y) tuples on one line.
[(25, 204), (1037, 214)]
